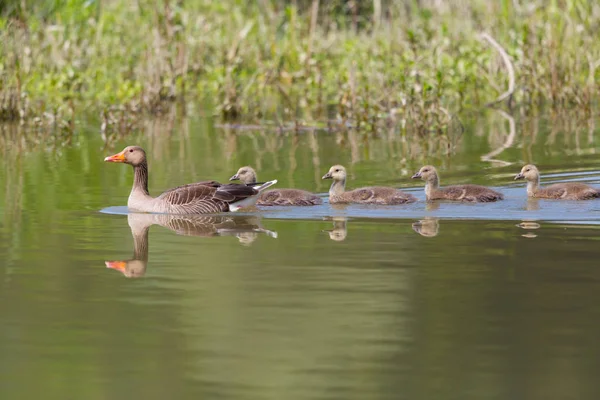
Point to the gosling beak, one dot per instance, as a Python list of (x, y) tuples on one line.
[(519, 176), (119, 157), (416, 176), (118, 265), (234, 178), (327, 176)]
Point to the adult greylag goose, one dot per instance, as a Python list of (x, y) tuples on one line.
[(557, 191), (467, 193), (245, 228), (277, 197), (368, 195), (195, 198)]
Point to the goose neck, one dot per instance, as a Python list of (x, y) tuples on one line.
[(140, 244), (140, 179), (337, 188), (431, 185), (533, 186)]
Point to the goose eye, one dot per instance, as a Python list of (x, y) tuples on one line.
[(425, 170), (337, 170), (527, 170), (131, 150)]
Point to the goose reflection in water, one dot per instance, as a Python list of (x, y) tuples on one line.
[(428, 227), (245, 228), (339, 231)]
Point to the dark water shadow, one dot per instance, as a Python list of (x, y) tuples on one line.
[(246, 228)]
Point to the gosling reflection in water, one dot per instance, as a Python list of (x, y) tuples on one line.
[(339, 231), (245, 228), (428, 227), (533, 204), (529, 226)]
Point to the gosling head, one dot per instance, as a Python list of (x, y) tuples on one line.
[(427, 173), (132, 155), (528, 172), (337, 173), (245, 174)]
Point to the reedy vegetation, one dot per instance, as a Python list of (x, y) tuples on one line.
[(405, 66)]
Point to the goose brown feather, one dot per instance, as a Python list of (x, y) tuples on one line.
[(379, 195), (277, 197), (195, 198), (466, 193), (557, 191)]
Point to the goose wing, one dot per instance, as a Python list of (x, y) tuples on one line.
[(234, 192), (381, 195), (288, 197), (206, 197), (363, 194), (572, 190), (455, 192), (472, 193), (556, 191), (194, 198)]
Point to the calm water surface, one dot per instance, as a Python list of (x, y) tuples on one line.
[(454, 301)]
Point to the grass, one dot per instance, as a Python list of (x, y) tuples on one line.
[(381, 67)]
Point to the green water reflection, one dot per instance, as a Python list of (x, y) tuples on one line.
[(331, 306)]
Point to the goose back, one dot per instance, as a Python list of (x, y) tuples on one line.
[(288, 197), (567, 191), (380, 195), (468, 193)]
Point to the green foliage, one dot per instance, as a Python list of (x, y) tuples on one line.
[(408, 66)]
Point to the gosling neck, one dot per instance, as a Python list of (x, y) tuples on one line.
[(432, 184), (337, 187), (140, 180), (533, 186)]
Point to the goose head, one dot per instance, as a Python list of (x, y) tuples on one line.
[(132, 155), (245, 174), (529, 172), (427, 173), (337, 173)]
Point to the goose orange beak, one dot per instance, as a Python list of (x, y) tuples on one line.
[(118, 265), (119, 157)]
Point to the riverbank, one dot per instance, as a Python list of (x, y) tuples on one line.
[(381, 67)]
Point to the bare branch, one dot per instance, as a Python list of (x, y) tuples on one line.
[(509, 68)]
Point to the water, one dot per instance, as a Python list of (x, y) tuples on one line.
[(454, 301)]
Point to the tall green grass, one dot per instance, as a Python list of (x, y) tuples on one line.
[(409, 65)]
